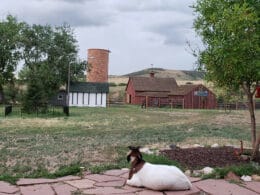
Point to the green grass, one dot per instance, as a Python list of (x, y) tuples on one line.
[(240, 170), (97, 138)]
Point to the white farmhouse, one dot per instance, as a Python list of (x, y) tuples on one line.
[(88, 94)]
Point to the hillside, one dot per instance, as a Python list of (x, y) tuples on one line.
[(177, 74), (181, 76)]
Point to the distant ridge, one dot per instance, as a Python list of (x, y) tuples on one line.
[(164, 73), (144, 71)]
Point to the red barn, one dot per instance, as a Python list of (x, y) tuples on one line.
[(193, 96), (140, 89), (151, 91)]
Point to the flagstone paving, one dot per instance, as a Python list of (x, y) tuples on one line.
[(113, 182)]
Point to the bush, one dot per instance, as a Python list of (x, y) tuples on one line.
[(112, 85)]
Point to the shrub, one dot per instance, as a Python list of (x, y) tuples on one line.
[(112, 85)]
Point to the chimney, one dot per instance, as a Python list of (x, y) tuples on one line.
[(152, 73)]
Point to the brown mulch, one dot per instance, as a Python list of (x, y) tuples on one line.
[(194, 158)]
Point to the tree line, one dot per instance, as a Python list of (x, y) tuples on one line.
[(45, 54)]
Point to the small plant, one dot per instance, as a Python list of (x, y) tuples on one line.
[(78, 192), (9, 178)]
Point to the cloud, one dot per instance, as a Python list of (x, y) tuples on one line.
[(69, 1), (138, 32), (57, 12), (74, 16), (172, 33), (151, 5), (76, 1)]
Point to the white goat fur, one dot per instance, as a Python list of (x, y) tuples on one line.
[(160, 177)]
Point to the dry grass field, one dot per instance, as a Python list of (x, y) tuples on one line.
[(98, 136)]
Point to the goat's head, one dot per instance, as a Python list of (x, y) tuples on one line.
[(134, 154)]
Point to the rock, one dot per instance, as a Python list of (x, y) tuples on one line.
[(246, 178), (173, 146), (197, 145), (255, 177), (187, 172), (196, 173), (207, 170), (232, 177), (146, 151), (214, 145), (190, 130), (245, 157)]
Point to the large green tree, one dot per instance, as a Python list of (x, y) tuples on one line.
[(48, 53), (230, 32), (10, 34)]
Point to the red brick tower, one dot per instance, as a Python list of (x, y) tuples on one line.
[(97, 65)]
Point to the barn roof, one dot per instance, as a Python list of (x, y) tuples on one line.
[(153, 94), (89, 87), (153, 84), (184, 89)]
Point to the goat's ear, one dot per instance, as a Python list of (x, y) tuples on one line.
[(130, 147), (140, 156), (134, 148)]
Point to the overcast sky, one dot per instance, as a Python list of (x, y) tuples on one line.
[(137, 32)]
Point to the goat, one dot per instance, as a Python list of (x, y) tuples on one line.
[(155, 177)]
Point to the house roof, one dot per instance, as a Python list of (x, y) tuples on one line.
[(154, 84), (89, 87)]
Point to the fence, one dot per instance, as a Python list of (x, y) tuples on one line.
[(236, 106), (16, 110)]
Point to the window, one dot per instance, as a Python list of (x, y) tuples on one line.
[(74, 98), (86, 98), (60, 97)]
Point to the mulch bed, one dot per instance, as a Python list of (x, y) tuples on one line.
[(195, 158)]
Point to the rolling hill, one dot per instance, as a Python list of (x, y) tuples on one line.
[(179, 75)]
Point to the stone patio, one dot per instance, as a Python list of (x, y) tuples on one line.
[(113, 182)]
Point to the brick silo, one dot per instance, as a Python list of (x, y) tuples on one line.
[(97, 65)]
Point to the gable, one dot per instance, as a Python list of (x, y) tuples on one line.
[(185, 89)]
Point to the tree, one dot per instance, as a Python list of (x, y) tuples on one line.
[(9, 50), (12, 92), (230, 32), (47, 52)]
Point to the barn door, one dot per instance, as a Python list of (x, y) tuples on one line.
[(204, 102), (257, 95)]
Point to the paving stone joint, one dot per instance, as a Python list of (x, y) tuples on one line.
[(113, 182)]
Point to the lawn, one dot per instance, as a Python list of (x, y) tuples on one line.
[(97, 138)]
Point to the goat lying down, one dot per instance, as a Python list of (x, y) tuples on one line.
[(155, 177)]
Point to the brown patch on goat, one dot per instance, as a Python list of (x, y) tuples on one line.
[(137, 163)]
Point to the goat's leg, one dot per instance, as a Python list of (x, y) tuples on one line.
[(134, 181)]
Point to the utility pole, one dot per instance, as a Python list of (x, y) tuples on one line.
[(68, 87)]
